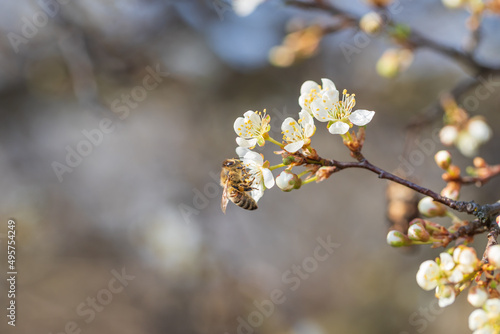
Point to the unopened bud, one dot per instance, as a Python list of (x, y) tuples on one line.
[(494, 255), (428, 207), (443, 159), (479, 162), (288, 160), (397, 239), (453, 173), (417, 232), (448, 135), (452, 190), (477, 296), (287, 181), (371, 23)]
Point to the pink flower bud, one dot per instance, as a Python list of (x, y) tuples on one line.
[(418, 232)]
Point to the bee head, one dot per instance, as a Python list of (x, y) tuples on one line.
[(229, 163)]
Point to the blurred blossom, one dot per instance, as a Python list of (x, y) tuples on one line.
[(296, 46), (393, 62), (245, 7), (371, 22), (169, 242)]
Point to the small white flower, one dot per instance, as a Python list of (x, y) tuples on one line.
[(428, 275), (245, 7), (492, 306), (251, 128), (494, 255), (448, 135), (477, 296), (324, 104), (262, 176), (297, 134), (466, 259), (477, 319), (287, 181), (447, 262), (446, 295)]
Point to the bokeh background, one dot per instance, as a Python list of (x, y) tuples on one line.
[(146, 201)]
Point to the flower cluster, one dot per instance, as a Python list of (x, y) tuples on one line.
[(467, 134), (486, 320), (317, 102), (447, 272)]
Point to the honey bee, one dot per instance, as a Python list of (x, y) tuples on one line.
[(236, 183)]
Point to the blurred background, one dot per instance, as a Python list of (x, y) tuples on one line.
[(115, 118)]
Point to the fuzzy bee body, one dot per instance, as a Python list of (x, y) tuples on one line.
[(236, 184)]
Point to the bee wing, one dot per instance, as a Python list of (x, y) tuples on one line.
[(223, 203)]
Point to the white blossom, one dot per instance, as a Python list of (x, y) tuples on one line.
[(261, 175), (477, 319), (297, 134), (251, 128), (477, 296), (445, 294), (428, 275), (324, 104)]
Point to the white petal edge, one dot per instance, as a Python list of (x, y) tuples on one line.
[(241, 151), (307, 86), (338, 128), (247, 143), (327, 84), (361, 117), (268, 178)]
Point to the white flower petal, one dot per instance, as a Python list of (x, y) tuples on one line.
[(446, 295), (289, 124), (319, 112), (247, 143), (309, 130), (268, 178), (294, 147), (306, 118), (257, 192), (307, 86), (327, 85), (241, 151), (338, 128), (239, 125), (428, 275), (254, 157), (361, 117)]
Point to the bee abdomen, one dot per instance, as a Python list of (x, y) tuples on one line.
[(246, 203)]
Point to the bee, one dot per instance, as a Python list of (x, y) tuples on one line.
[(236, 183)]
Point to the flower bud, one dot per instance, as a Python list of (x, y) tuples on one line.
[(371, 22), (288, 160), (428, 275), (494, 255), (443, 159), (428, 207), (397, 239), (448, 135), (417, 232), (479, 162), (287, 181), (452, 190), (477, 296), (478, 129), (446, 295)]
